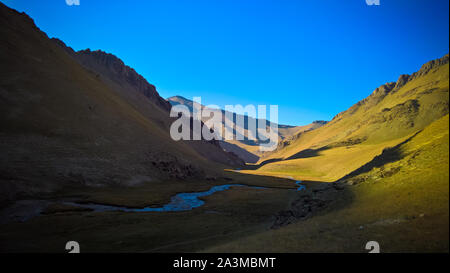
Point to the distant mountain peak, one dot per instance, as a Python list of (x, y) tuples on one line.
[(177, 97)]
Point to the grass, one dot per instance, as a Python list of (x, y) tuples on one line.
[(390, 153), (225, 216), (328, 166), (405, 211), (356, 136), (63, 124), (160, 192)]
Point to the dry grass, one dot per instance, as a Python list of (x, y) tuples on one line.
[(407, 211), (227, 215), (357, 135)]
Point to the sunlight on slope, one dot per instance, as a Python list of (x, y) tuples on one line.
[(405, 210), (329, 165), (391, 114)]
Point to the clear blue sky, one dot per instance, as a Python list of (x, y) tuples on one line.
[(314, 58)]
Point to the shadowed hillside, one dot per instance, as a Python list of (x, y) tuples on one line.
[(83, 118)]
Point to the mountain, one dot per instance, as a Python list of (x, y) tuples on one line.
[(180, 100), (85, 146), (122, 77), (399, 199), (112, 68), (246, 149), (388, 160), (390, 115), (84, 118)]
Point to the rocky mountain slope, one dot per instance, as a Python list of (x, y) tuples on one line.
[(247, 149), (83, 118)]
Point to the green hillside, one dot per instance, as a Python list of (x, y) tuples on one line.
[(400, 199), (86, 155), (391, 114)]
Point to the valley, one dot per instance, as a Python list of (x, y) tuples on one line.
[(87, 156)]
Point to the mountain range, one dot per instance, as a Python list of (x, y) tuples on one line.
[(81, 128), (390, 115), (248, 148), (84, 118)]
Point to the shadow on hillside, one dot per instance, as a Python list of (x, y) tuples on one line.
[(272, 160), (240, 152), (327, 198), (302, 154), (388, 155), (308, 153)]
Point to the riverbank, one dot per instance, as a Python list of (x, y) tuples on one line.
[(226, 215)]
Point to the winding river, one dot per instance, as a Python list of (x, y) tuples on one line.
[(179, 202), (26, 209), (298, 183)]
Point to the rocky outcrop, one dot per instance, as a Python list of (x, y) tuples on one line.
[(174, 167), (121, 72), (379, 93), (320, 122), (83, 119), (427, 67), (302, 208), (109, 66), (114, 68), (402, 80)]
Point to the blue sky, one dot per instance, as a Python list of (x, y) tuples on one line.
[(313, 58)]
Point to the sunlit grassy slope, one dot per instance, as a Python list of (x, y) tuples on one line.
[(391, 114), (400, 199)]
